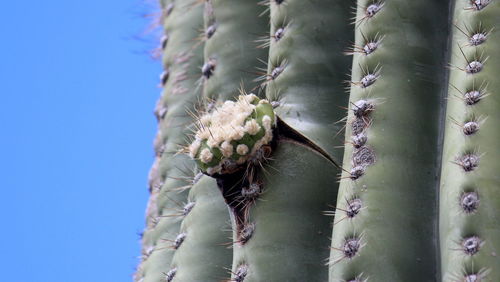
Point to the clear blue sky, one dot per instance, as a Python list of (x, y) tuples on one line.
[(77, 93)]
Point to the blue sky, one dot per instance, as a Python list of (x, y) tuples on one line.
[(77, 94)]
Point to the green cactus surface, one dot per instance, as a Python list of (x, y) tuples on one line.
[(307, 67), (232, 30), (386, 217), (202, 252), (470, 180), (314, 140)]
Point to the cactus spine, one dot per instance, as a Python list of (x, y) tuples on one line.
[(173, 174)]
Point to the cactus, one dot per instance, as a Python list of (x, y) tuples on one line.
[(470, 198), (390, 175), (172, 174), (407, 178)]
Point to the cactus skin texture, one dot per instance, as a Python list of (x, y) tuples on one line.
[(412, 184), (172, 173), (203, 254), (307, 68), (470, 194), (396, 105), (289, 230), (283, 234), (232, 28)]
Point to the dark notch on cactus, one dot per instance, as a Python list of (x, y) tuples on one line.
[(208, 68), (471, 245), (169, 276), (469, 202), (278, 1)]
